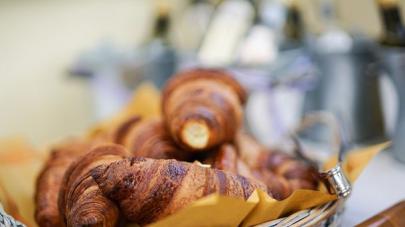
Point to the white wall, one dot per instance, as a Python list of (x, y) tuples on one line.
[(38, 41)]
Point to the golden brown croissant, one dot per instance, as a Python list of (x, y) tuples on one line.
[(120, 133), (81, 202), (50, 179), (224, 158), (281, 172), (202, 108), (148, 189), (300, 174), (150, 139), (279, 186)]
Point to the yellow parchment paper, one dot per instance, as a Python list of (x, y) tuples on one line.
[(20, 164), (213, 210)]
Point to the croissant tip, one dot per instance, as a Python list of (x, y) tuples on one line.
[(195, 134)]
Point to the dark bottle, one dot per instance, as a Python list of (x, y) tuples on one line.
[(293, 29), (158, 56), (162, 24), (393, 28)]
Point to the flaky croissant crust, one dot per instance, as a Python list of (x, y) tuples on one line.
[(202, 108), (50, 179), (148, 189), (81, 202), (218, 75)]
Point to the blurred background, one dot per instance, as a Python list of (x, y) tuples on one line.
[(65, 65), (40, 40)]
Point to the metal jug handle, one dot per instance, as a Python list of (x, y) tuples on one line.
[(334, 179)]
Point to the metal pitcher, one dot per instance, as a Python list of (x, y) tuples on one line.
[(348, 87), (394, 62)]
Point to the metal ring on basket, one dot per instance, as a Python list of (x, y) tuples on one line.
[(334, 179)]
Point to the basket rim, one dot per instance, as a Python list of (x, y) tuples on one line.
[(307, 217)]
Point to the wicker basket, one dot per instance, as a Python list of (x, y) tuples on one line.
[(325, 215), (8, 221)]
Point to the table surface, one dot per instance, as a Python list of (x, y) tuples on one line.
[(380, 186)]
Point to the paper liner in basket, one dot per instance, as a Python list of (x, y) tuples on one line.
[(213, 210), (19, 166)]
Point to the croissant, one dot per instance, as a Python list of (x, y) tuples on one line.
[(50, 179), (224, 158), (281, 172), (279, 186), (300, 174), (121, 131), (202, 108), (81, 202), (148, 189), (150, 139)]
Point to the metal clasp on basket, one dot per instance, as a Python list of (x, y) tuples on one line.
[(334, 179)]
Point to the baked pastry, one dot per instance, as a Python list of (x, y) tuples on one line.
[(281, 172), (150, 139), (81, 202), (147, 190), (202, 108), (224, 158), (50, 179)]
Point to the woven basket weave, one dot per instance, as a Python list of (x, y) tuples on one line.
[(8, 221), (324, 215)]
